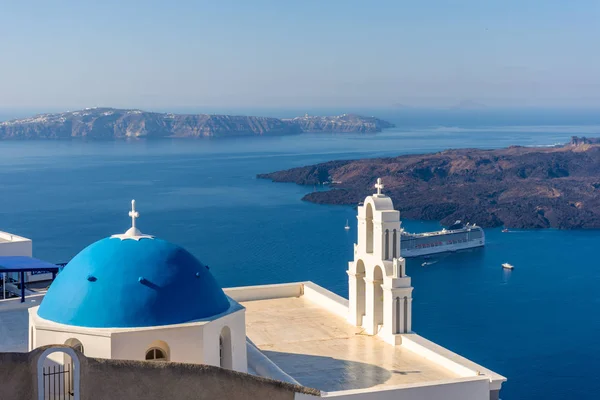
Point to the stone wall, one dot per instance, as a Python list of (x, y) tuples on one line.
[(102, 379), (17, 376)]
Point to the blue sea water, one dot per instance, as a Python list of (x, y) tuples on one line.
[(538, 325)]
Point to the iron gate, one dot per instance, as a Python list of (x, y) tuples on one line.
[(58, 382)]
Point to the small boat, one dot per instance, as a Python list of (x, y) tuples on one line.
[(426, 263), (505, 230), (507, 266), (347, 227)]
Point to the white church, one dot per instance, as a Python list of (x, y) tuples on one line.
[(133, 296)]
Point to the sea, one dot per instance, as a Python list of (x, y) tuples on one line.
[(538, 325)]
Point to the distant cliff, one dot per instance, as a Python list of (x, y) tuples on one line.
[(110, 123), (340, 124), (519, 187)]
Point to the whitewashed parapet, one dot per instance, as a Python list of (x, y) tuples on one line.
[(264, 292)]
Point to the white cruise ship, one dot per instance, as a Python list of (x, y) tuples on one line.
[(456, 237)]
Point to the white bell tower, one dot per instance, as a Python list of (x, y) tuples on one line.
[(380, 292)]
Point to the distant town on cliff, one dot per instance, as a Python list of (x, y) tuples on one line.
[(111, 123)]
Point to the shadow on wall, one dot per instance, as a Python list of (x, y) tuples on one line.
[(331, 374), (102, 379)]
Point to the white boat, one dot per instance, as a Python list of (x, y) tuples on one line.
[(507, 266), (347, 227), (456, 237)]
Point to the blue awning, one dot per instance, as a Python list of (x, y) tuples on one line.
[(25, 264)]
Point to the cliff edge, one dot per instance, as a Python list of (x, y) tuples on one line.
[(518, 187)]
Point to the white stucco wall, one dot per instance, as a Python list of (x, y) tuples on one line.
[(184, 343), (330, 301), (465, 389), (452, 361), (13, 245), (262, 292), (194, 342), (93, 345), (236, 322)]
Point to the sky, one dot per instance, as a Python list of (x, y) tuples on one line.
[(167, 54)]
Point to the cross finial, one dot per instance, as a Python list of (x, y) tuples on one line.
[(379, 186), (133, 214), (133, 232)]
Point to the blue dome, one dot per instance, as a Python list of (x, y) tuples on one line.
[(116, 283)]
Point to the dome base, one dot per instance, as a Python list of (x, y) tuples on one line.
[(132, 233)]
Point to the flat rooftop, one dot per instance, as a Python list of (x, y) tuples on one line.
[(6, 237), (322, 350)]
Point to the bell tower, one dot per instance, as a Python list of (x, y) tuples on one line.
[(380, 292)]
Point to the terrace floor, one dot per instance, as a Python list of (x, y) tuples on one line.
[(321, 350)]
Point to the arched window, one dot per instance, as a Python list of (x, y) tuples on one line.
[(360, 292), (397, 330), (158, 351), (221, 350), (405, 314), (225, 349), (76, 344), (387, 244), (156, 354), (377, 297), (369, 244), (395, 245)]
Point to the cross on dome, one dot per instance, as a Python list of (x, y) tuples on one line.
[(133, 214), (133, 232), (379, 185)]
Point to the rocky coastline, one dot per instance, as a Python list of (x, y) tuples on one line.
[(111, 123), (516, 187)]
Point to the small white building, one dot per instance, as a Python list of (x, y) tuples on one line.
[(133, 296), (14, 245)]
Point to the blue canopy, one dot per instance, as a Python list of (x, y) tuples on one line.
[(25, 264)]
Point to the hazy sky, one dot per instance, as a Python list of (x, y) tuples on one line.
[(254, 53)]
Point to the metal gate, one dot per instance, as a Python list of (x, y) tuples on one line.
[(58, 382)]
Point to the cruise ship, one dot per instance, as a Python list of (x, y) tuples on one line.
[(459, 236)]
